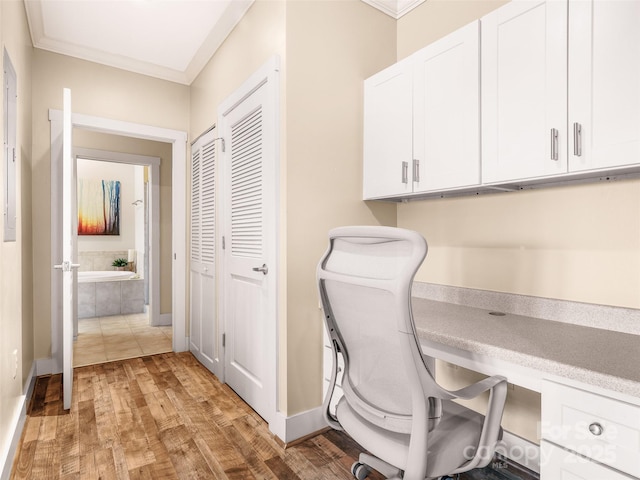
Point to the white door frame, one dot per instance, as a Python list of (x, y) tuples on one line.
[(178, 140)]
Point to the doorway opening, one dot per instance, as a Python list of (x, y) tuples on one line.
[(176, 270), (118, 312)]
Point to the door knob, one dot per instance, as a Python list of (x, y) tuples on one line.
[(66, 266), (264, 269)]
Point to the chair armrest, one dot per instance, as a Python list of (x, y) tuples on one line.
[(472, 391), (491, 429)]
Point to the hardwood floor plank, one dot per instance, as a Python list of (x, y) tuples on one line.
[(46, 460), (294, 457), (88, 468), (164, 417), (68, 444), (163, 467), (88, 430), (36, 408), (280, 469), (105, 465), (253, 461), (105, 418), (23, 464), (263, 444), (163, 411), (184, 453)]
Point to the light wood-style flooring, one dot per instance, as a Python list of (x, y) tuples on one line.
[(165, 417), (162, 417)]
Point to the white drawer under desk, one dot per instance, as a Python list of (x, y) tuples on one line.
[(594, 426)]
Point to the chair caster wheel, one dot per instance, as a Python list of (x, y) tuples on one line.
[(360, 470)]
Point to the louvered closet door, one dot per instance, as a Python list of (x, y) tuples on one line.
[(249, 267), (203, 336)]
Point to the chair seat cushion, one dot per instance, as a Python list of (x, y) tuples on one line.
[(451, 444)]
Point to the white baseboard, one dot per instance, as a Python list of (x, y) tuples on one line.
[(165, 319), (297, 426), (20, 417), (46, 366)]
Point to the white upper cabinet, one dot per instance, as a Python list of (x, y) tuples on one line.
[(388, 107), (560, 88), (558, 82), (524, 91), (604, 84), (446, 112), (421, 120)]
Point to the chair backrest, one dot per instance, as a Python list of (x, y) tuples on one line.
[(365, 280)]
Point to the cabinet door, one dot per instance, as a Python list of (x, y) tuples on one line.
[(524, 91), (446, 112), (559, 464), (604, 83), (388, 101)]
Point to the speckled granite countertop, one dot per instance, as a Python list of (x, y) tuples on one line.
[(598, 357)]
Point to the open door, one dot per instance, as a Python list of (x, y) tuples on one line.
[(68, 267)]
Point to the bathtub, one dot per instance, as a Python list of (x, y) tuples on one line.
[(104, 293), (104, 276)]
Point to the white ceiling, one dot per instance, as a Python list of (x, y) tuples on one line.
[(168, 39)]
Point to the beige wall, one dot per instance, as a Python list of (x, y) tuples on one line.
[(100, 91), (16, 316), (436, 18), (579, 243), (331, 48), (258, 37)]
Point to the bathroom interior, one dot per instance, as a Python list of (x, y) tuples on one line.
[(113, 277)]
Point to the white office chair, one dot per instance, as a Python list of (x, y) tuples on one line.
[(392, 405)]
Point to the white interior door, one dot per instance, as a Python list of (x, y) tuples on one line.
[(204, 339), (248, 125), (68, 266)]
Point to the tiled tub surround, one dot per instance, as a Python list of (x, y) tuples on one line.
[(99, 260), (119, 297)]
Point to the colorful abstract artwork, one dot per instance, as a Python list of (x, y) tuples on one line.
[(98, 207)]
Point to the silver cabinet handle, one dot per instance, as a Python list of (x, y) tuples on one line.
[(416, 170), (577, 139), (405, 172), (264, 269), (596, 429), (554, 144)]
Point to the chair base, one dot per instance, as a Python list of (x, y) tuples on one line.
[(366, 462), (386, 469)]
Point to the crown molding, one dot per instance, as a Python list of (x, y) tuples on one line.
[(394, 8)]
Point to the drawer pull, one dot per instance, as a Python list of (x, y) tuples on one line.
[(596, 429)]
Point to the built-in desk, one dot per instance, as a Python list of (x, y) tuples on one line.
[(589, 380), (528, 350)]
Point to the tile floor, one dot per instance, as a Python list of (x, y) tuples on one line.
[(117, 337)]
